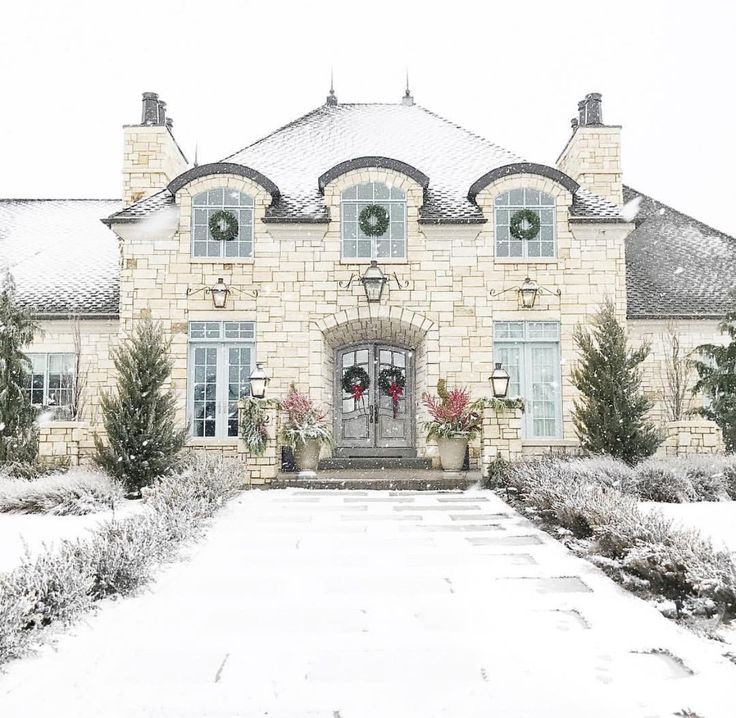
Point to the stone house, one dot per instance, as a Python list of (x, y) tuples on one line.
[(452, 225)]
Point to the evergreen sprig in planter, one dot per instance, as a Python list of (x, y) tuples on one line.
[(456, 420), (305, 429)]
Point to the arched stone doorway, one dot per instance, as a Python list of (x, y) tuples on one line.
[(377, 337)]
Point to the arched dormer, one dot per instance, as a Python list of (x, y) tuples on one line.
[(522, 168), (376, 162), (224, 168)]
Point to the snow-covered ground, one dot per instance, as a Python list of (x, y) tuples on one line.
[(357, 604), (18, 531), (715, 519)]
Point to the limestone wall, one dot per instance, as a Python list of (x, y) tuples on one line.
[(301, 313), (692, 436), (692, 333), (70, 440), (500, 436)]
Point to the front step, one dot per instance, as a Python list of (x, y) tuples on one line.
[(381, 480), (373, 462)]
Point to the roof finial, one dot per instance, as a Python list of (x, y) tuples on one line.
[(196, 154), (407, 99), (332, 97)]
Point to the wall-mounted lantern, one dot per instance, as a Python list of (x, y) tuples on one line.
[(528, 292), (258, 381), (500, 381), (373, 281), (220, 292)]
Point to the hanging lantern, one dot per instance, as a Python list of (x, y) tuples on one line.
[(219, 294), (373, 282), (500, 382), (528, 292), (258, 381)]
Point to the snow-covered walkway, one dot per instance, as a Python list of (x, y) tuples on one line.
[(350, 604)]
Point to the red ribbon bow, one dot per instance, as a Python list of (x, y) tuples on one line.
[(395, 391), (358, 390)]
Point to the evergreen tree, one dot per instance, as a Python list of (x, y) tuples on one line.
[(716, 367), (18, 432), (142, 439), (610, 414)]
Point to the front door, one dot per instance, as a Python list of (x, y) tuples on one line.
[(378, 419)]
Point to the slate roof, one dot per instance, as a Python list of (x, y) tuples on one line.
[(63, 259), (676, 266), (295, 156)]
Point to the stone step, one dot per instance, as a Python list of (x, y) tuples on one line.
[(380, 480), (374, 462)]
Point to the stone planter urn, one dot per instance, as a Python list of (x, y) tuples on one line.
[(452, 452), (307, 455)]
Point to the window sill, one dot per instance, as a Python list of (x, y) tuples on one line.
[(381, 262), (526, 260), (222, 260), (211, 441), (551, 441)]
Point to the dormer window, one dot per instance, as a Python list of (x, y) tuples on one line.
[(381, 210), (222, 224), (525, 224)]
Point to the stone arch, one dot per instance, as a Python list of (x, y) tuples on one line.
[(379, 323)]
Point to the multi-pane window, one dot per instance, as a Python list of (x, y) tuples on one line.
[(391, 244), (236, 204), (530, 352), (50, 384), (221, 357), (508, 204)]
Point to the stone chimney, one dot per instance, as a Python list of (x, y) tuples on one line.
[(151, 158), (592, 156)]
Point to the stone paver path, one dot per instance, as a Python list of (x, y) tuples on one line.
[(356, 604)]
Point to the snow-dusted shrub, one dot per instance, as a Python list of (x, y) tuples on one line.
[(661, 480), (76, 493), (117, 559), (604, 470), (55, 587), (701, 477)]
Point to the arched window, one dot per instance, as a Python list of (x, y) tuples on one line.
[(508, 205), (388, 244), (233, 203)]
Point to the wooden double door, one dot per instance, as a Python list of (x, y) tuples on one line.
[(381, 421)]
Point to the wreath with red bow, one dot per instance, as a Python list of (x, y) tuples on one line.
[(392, 382), (355, 381)]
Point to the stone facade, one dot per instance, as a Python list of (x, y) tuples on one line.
[(692, 436), (65, 440), (500, 436), (307, 301)]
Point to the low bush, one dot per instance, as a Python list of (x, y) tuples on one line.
[(74, 493), (57, 586), (676, 563), (680, 479)]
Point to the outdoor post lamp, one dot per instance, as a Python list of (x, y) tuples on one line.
[(219, 294), (500, 382), (373, 282), (258, 381), (528, 292)]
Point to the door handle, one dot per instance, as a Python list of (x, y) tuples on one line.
[(370, 413)]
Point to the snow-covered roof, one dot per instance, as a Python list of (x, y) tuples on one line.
[(675, 265), (295, 156), (63, 259)]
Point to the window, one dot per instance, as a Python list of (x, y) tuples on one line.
[(543, 205), (392, 243), (221, 357), (530, 352), (50, 384), (204, 205)]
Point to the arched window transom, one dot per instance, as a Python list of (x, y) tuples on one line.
[(391, 244), (238, 204), (507, 205)]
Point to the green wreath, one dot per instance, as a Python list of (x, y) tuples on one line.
[(223, 226), (391, 376), (373, 220), (355, 381), (516, 226)]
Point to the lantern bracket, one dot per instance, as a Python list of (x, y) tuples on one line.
[(530, 286), (400, 284), (208, 290)]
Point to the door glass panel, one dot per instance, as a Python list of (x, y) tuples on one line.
[(205, 392), (543, 389), (239, 368), (354, 420)]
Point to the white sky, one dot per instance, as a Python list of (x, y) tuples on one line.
[(71, 75)]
